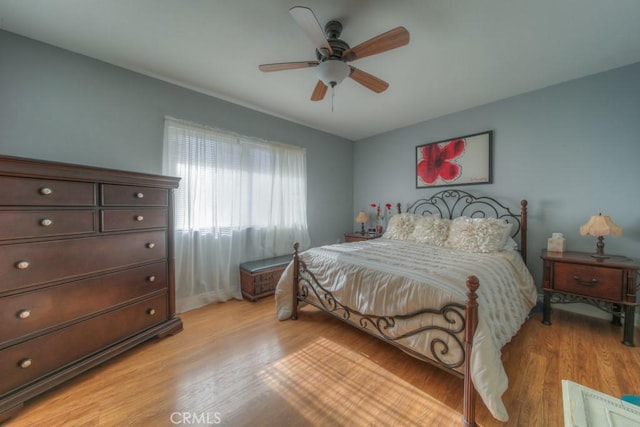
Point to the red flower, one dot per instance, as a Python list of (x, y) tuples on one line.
[(437, 161), (388, 205), (373, 205)]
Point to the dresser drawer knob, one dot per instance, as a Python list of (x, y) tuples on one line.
[(151, 245), (23, 314), (22, 265), (151, 311), (151, 278), (45, 191), (139, 218), (591, 282), (25, 363), (46, 222), (139, 195)]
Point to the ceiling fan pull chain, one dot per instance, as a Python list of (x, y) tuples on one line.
[(333, 94)]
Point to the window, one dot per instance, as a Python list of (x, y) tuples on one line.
[(239, 199)]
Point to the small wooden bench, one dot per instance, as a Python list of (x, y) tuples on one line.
[(259, 278)]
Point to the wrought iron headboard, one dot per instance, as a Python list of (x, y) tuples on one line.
[(455, 203)]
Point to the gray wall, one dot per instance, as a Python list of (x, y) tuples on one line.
[(60, 106), (572, 150)]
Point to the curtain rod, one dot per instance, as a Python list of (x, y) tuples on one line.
[(254, 140)]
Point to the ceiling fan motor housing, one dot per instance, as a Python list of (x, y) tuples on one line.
[(333, 29)]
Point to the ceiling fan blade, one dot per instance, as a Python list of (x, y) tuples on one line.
[(319, 91), (310, 25), (287, 66), (367, 80), (378, 44)]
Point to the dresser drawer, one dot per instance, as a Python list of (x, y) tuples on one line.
[(44, 192), (41, 356), (589, 281), (29, 264), (32, 312), (126, 195), (131, 219), (28, 224)]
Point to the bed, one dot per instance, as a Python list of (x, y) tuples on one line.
[(447, 283)]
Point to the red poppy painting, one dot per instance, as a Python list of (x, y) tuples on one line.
[(458, 161)]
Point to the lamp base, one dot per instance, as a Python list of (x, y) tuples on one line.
[(600, 249)]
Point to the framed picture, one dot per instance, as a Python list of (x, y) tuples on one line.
[(463, 160)]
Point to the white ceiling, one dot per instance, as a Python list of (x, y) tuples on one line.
[(462, 53)]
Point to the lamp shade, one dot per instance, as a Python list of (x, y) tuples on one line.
[(601, 225), (332, 71), (362, 217)]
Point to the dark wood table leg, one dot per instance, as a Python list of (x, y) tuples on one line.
[(629, 325), (546, 308)]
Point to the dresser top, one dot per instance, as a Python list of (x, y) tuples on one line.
[(43, 169)]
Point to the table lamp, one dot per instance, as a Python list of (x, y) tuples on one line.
[(600, 226), (362, 218)]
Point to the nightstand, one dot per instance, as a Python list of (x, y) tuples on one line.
[(359, 237), (611, 281)]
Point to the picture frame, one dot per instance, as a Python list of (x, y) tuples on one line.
[(464, 160)]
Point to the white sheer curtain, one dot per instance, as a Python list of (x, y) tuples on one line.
[(239, 199)]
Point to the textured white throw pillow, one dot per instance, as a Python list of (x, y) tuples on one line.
[(478, 234), (400, 226), (431, 230)]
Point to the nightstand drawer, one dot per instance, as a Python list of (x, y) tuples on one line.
[(589, 281)]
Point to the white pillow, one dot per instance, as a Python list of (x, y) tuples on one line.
[(510, 245), (400, 226), (478, 234), (431, 230)]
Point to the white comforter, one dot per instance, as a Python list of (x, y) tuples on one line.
[(388, 277)]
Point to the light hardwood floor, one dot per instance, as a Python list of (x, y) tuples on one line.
[(236, 365)]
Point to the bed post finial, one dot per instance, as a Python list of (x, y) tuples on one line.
[(294, 286), (471, 311)]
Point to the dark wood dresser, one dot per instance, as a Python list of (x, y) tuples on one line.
[(86, 270)]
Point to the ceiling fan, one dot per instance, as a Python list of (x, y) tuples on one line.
[(333, 54)]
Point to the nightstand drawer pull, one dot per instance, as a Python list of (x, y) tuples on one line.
[(45, 191), (139, 218), (25, 363), (591, 282), (46, 222)]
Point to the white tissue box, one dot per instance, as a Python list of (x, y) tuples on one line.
[(556, 244)]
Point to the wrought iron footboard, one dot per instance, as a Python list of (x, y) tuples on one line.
[(461, 321), (452, 315)]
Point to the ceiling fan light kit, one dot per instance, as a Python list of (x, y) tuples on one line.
[(332, 72), (333, 54)]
